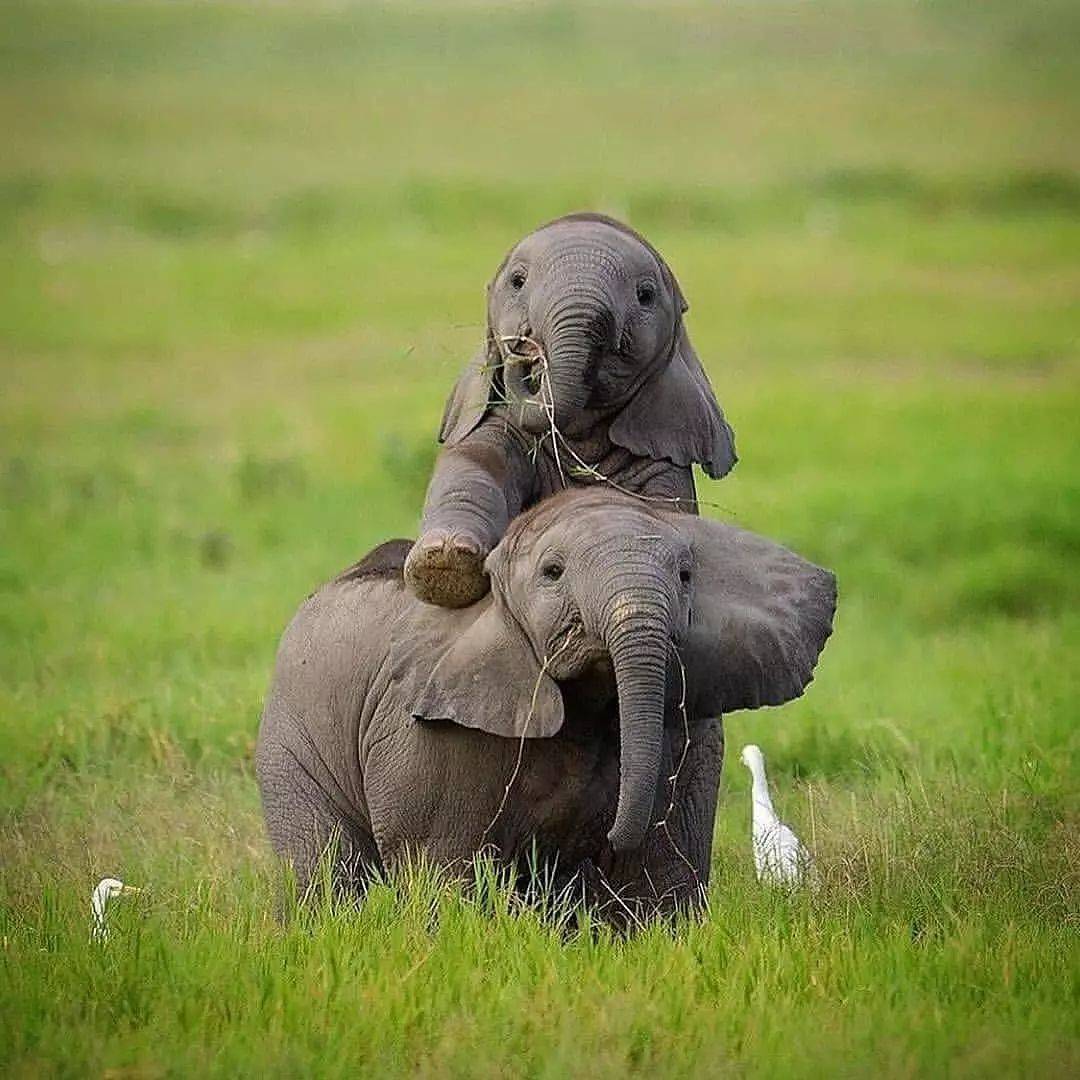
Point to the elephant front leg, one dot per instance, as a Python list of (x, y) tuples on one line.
[(477, 487)]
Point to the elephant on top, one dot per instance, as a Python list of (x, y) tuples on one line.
[(586, 375)]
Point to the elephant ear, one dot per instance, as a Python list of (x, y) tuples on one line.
[(475, 667), (674, 415), (469, 400), (760, 616)]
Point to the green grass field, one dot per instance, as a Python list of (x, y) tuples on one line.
[(242, 256)]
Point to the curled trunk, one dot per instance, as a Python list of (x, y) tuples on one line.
[(556, 385)]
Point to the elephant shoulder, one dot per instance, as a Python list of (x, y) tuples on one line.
[(349, 607), (350, 614), (355, 609), (337, 639), (385, 561)]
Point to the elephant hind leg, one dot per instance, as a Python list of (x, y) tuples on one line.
[(311, 831)]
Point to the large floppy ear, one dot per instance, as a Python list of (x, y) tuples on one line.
[(760, 616), (486, 675), (674, 415), (469, 400)]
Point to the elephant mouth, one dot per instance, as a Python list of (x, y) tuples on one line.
[(565, 639), (525, 363), (572, 650), (533, 377), (527, 385)]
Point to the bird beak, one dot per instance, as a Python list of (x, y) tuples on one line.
[(126, 889)]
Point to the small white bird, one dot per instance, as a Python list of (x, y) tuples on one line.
[(779, 855), (105, 890)]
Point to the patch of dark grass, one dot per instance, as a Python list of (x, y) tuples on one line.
[(77, 746), (17, 479), (408, 462), (152, 427), (1043, 191), (260, 477), (155, 212), (935, 849), (691, 209), (181, 218), (968, 545), (172, 214), (19, 194), (851, 183), (216, 549), (814, 751), (1005, 588)]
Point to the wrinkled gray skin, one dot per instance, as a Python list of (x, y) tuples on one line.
[(586, 363), (396, 726)]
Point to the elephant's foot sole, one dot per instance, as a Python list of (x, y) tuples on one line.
[(442, 571)]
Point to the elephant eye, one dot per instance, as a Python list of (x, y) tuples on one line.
[(517, 279), (552, 571), (646, 292)]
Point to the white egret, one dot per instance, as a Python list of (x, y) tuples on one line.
[(105, 890), (780, 857)]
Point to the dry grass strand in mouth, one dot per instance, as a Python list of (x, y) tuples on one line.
[(537, 355), (581, 469)]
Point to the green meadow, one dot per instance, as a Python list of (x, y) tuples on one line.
[(243, 250)]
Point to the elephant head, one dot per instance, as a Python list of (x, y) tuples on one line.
[(590, 579), (585, 324)]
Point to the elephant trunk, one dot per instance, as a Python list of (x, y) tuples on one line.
[(638, 639), (576, 334), (574, 331)]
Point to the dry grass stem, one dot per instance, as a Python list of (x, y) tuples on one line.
[(674, 778), (548, 660)]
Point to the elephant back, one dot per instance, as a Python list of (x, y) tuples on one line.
[(385, 561)]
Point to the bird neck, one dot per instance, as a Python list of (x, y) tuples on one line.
[(759, 792)]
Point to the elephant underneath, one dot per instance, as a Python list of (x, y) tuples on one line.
[(573, 713)]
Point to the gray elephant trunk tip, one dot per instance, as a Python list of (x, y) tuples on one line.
[(626, 836)]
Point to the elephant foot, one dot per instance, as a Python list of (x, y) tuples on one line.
[(447, 569)]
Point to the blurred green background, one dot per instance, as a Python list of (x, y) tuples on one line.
[(243, 256)]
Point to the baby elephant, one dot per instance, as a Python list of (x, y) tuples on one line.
[(587, 373), (570, 714)]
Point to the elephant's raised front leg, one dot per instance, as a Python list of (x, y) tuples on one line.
[(477, 488)]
